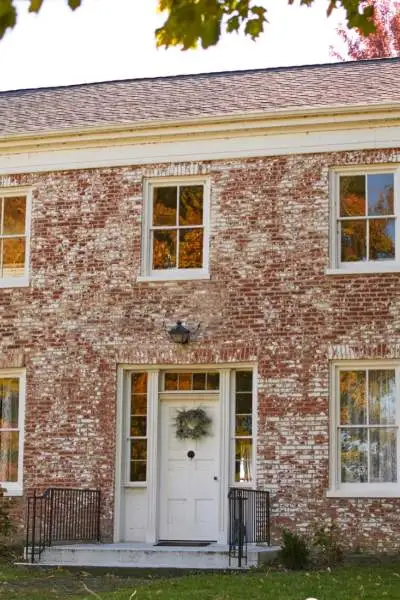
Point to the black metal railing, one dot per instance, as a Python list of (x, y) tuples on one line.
[(249, 521), (61, 515)]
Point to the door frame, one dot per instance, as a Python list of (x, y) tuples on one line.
[(153, 425)]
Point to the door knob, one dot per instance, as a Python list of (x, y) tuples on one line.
[(191, 454), (215, 478)]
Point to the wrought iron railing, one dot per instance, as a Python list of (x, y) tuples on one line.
[(249, 521), (61, 515)]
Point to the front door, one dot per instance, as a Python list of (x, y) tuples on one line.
[(189, 475)]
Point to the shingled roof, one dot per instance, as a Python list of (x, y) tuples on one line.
[(186, 96)]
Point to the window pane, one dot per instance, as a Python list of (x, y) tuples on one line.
[(138, 470), (383, 455), (14, 215), (382, 397), (354, 455), (380, 194), (244, 403), (244, 381), (171, 381), (243, 425), (381, 239), (352, 397), (139, 383), (243, 460), (139, 404), (353, 240), (191, 205), (352, 196), (138, 449), (199, 381), (213, 381), (9, 400), (164, 205), (13, 257), (185, 381), (9, 455), (190, 248), (164, 249), (138, 426)]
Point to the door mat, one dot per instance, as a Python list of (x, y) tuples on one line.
[(190, 543)]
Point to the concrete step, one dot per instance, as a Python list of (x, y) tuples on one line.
[(146, 556)]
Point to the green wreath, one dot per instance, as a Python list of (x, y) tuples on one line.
[(192, 424)]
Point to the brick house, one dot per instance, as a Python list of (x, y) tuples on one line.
[(259, 208)]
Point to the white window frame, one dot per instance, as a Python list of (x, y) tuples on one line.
[(149, 274), (23, 281), (336, 266), (15, 488), (358, 490)]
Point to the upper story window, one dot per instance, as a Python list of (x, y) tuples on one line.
[(367, 235), (13, 238), (12, 403), (365, 429), (176, 229)]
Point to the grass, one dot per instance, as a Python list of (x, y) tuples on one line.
[(345, 583)]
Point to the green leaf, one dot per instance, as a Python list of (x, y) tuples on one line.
[(8, 16), (74, 4), (35, 5)]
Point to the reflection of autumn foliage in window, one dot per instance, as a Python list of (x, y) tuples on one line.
[(367, 409), (352, 397), (174, 244), (191, 248), (377, 230), (13, 236), (9, 434)]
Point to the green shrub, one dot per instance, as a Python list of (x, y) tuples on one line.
[(294, 552), (328, 549)]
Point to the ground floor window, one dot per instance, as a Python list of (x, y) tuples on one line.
[(12, 402), (243, 426), (365, 414)]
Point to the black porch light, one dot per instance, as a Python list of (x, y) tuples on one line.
[(179, 333)]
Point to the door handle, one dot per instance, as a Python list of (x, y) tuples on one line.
[(215, 478)]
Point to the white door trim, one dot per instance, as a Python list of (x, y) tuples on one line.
[(153, 459)]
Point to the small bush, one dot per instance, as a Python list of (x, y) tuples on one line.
[(328, 549), (294, 552)]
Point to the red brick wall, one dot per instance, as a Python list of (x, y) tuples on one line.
[(268, 300)]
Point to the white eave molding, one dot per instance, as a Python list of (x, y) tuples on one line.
[(278, 132)]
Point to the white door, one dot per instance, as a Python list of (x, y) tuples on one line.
[(189, 487)]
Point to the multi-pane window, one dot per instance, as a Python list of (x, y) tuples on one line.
[(367, 425), (137, 424), (175, 236), (243, 427), (367, 219), (13, 236), (11, 430), (191, 381)]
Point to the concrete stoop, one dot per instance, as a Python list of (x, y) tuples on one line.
[(145, 556)]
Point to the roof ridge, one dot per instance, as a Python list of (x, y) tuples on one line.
[(342, 64)]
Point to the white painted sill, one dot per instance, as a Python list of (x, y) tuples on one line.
[(137, 485), (12, 489), (368, 493), (172, 277), (370, 270), (14, 283)]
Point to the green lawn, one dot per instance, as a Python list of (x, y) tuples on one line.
[(346, 583)]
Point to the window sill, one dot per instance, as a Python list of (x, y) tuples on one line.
[(11, 489), (137, 485), (172, 277), (364, 270), (14, 283), (373, 492)]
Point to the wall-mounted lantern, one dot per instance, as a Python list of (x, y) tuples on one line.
[(179, 333)]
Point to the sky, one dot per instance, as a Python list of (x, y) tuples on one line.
[(114, 39)]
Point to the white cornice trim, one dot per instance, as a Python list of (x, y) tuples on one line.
[(291, 120), (211, 140)]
